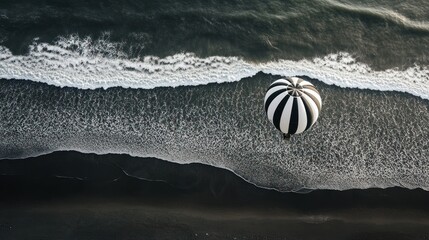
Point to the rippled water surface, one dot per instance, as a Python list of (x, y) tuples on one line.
[(184, 81)]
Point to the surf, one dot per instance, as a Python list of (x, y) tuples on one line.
[(85, 63)]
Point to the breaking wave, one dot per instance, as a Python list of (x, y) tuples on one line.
[(85, 63), (363, 139)]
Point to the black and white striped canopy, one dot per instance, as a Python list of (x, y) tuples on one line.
[(292, 105)]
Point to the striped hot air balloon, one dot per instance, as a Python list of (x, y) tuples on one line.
[(292, 105)]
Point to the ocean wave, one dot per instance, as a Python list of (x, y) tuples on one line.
[(88, 64), (382, 13)]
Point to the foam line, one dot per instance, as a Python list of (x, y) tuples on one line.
[(88, 64)]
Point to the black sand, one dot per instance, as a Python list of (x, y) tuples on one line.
[(91, 198)]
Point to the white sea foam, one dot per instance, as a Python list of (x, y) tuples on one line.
[(361, 141), (89, 64)]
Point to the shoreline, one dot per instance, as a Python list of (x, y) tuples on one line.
[(93, 172), (192, 201), (211, 124)]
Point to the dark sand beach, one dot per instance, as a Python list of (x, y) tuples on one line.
[(91, 198)]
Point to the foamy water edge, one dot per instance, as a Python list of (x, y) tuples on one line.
[(89, 64)]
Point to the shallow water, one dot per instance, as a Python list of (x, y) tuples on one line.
[(363, 138)]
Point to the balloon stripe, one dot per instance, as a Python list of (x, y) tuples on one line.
[(302, 116), (314, 97), (309, 113), (273, 106), (279, 111), (293, 125), (313, 107), (271, 98), (294, 80), (272, 90), (285, 119)]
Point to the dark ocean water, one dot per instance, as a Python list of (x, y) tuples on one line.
[(384, 33)]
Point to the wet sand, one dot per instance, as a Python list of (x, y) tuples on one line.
[(92, 198)]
